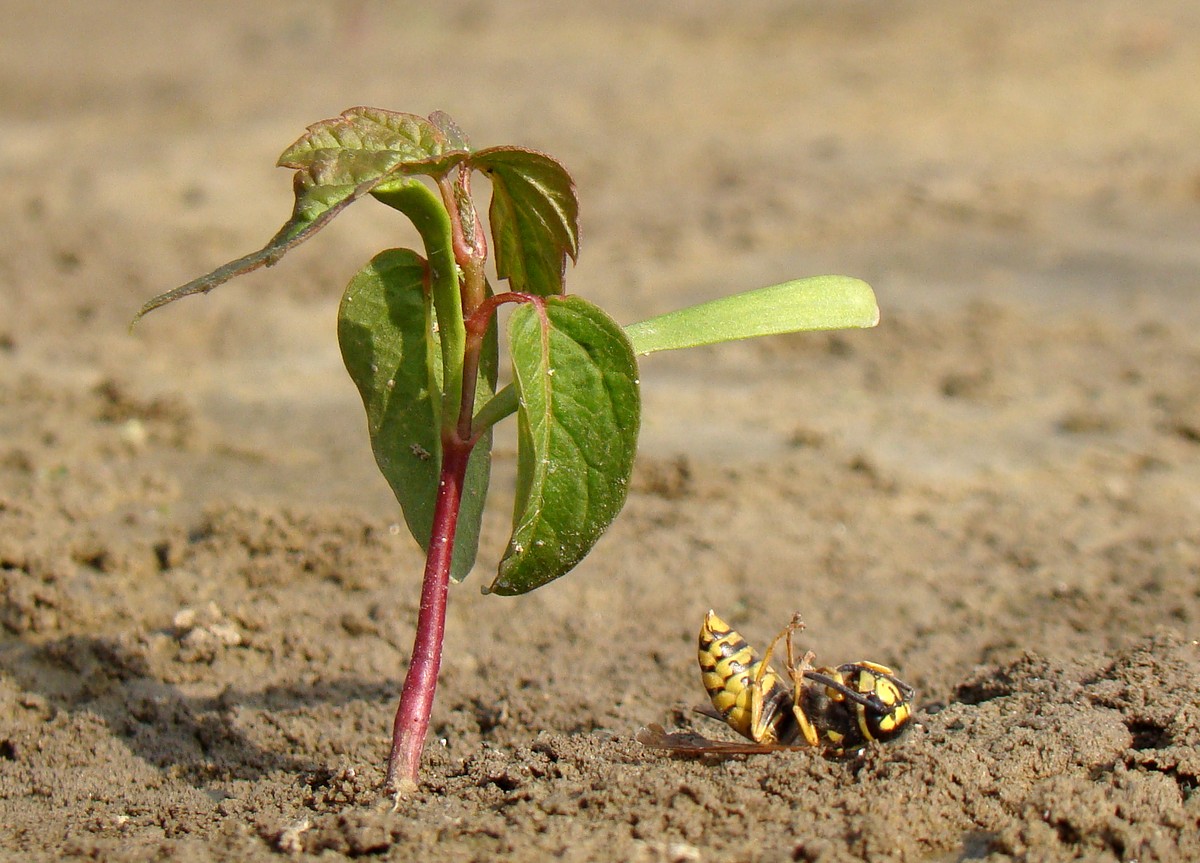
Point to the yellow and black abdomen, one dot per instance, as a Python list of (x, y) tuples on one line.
[(732, 673)]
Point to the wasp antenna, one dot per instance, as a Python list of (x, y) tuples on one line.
[(842, 689)]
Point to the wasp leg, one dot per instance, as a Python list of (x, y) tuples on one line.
[(797, 671), (796, 624)]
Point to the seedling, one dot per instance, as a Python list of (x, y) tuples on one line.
[(418, 337)]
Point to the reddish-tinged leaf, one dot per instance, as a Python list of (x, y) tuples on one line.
[(534, 215), (364, 142), (337, 161)]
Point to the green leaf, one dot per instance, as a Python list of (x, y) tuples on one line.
[(361, 143), (576, 378), (428, 214), (362, 149), (503, 405), (455, 137), (534, 216), (314, 209), (817, 303), (385, 329), (338, 161)]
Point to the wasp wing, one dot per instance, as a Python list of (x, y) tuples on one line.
[(689, 743)]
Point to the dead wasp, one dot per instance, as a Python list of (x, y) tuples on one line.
[(839, 710)]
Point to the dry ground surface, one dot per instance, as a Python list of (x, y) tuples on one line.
[(208, 607)]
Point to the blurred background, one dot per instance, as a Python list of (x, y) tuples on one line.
[(1017, 151)]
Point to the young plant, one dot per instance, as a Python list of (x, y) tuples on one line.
[(418, 337)]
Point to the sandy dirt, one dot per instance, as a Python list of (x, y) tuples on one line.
[(207, 602)]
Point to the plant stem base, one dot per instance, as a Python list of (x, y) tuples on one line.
[(420, 684)]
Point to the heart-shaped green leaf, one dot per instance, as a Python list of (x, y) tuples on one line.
[(817, 303), (385, 329), (579, 409), (534, 215)]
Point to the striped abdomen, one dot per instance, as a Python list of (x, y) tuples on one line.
[(728, 667)]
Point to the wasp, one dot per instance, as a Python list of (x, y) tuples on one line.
[(838, 710)]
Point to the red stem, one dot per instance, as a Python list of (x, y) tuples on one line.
[(476, 326), (420, 684)]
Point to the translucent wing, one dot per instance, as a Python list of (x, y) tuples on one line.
[(689, 743)]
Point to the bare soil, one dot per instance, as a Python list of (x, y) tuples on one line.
[(207, 602)]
